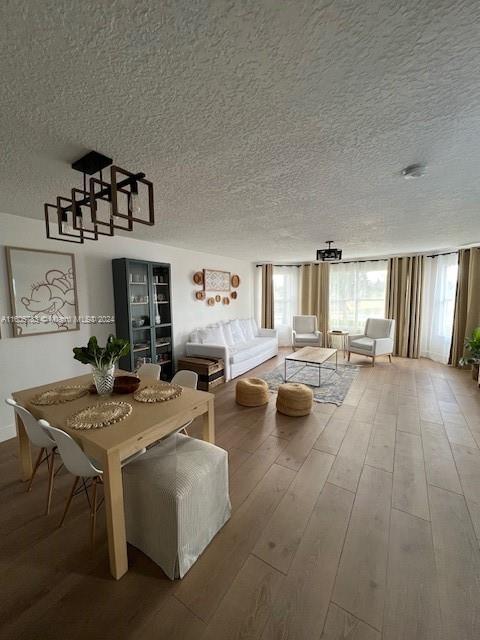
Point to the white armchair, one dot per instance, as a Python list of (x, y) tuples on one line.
[(305, 332), (377, 339)]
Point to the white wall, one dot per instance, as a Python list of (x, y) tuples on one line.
[(30, 361)]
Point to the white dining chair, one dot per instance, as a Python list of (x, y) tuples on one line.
[(39, 438), (79, 465), (188, 379), (149, 371)]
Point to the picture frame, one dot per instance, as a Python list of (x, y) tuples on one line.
[(215, 280), (43, 291)]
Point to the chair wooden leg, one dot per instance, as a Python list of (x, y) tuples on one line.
[(51, 476), (349, 356), (390, 357), (373, 361), (67, 506), (93, 513), (37, 464)]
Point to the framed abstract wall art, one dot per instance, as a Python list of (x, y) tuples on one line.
[(43, 291), (214, 280)]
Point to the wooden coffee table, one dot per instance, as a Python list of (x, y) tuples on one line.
[(312, 356)]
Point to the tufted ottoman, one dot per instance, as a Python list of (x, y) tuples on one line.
[(294, 399), (251, 392)]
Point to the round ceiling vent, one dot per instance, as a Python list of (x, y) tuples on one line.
[(414, 171)]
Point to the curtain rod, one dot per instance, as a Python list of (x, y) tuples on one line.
[(306, 264)]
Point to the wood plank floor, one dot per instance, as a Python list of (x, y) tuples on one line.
[(359, 522)]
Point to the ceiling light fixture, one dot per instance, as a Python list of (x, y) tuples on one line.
[(330, 254), (414, 171), (100, 207)]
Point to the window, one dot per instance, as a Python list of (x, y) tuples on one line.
[(357, 292), (438, 302), (285, 301)]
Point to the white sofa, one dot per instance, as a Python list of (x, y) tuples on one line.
[(240, 343)]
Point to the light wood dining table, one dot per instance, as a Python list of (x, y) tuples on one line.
[(147, 423)]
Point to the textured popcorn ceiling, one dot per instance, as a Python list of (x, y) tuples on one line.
[(267, 127)]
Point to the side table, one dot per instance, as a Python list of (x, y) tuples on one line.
[(343, 335)]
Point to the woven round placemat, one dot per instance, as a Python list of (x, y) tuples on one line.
[(158, 392), (58, 395), (100, 415)]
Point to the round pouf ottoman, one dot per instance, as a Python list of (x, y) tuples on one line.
[(294, 399), (251, 392)]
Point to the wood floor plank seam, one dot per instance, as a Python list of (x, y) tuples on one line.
[(352, 614)]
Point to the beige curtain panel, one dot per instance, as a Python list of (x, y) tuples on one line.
[(403, 303), (314, 293), (467, 302), (267, 296)]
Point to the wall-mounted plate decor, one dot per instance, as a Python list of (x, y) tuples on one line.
[(235, 281), (218, 298), (216, 280), (233, 295), (211, 302), (43, 291), (198, 277), (226, 300), (200, 295)]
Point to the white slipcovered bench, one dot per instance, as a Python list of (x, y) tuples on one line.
[(240, 343)]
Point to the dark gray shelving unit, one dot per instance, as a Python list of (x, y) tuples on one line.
[(143, 312)]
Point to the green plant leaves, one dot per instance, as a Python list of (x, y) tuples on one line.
[(102, 357)]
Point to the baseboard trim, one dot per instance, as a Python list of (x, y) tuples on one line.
[(7, 432)]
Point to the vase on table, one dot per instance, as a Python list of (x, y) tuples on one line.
[(103, 379)]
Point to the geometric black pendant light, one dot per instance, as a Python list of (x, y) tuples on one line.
[(100, 206)]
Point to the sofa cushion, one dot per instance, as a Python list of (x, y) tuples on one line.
[(254, 326), (227, 332), (237, 333), (212, 335), (246, 326), (306, 337), (251, 349), (378, 328), (366, 344)]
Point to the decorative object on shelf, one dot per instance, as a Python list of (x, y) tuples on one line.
[(138, 322), (43, 291), (330, 254), (82, 216), (59, 395), (158, 392), (472, 344), (200, 295), (216, 280), (233, 295), (211, 302), (102, 360), (100, 415), (226, 300), (218, 298), (198, 277), (235, 281)]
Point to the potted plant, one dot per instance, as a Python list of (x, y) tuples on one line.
[(102, 360), (472, 344)]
